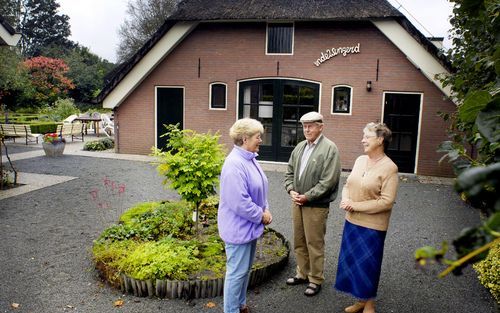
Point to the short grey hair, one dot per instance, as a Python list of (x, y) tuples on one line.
[(243, 128), (380, 130)]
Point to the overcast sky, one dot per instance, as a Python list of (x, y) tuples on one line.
[(95, 23)]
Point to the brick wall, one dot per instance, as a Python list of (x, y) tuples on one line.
[(233, 52)]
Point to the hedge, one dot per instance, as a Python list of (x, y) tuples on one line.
[(43, 127)]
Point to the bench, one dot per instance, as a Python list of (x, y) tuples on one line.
[(19, 131), (75, 130)]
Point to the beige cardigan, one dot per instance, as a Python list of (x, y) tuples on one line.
[(372, 192)]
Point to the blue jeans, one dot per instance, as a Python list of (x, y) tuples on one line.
[(238, 266)]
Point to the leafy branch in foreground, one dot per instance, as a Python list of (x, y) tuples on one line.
[(474, 148)]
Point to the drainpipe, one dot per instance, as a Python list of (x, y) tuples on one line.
[(116, 131)]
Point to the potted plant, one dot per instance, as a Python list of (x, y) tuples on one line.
[(53, 144)]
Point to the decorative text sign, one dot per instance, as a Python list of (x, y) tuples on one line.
[(330, 53)]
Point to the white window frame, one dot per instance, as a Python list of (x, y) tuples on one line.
[(350, 100), (210, 97), (293, 37)]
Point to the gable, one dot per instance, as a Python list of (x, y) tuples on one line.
[(419, 50), (415, 52), (8, 36), (147, 63)]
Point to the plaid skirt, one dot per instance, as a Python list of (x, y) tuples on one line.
[(360, 261)]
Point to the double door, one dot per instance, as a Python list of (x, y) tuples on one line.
[(278, 104)]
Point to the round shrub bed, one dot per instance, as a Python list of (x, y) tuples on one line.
[(99, 145), (155, 250)]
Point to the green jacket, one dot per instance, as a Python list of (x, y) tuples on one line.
[(320, 179)]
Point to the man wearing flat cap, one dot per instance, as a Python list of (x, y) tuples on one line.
[(311, 180)]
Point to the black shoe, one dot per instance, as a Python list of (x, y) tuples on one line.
[(312, 289), (292, 281)]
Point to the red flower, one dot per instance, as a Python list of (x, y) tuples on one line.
[(53, 138)]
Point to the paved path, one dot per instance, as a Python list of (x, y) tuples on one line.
[(46, 236)]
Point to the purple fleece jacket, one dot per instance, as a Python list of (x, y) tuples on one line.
[(243, 197)]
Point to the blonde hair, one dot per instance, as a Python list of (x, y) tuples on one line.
[(245, 127), (380, 130)]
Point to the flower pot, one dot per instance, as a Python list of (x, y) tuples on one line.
[(53, 149)]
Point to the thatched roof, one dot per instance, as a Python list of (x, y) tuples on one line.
[(283, 9), (7, 26), (268, 10), (12, 37)]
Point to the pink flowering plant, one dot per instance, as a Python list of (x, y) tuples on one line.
[(53, 138), (109, 199)]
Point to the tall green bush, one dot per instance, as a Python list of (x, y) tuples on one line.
[(62, 109), (191, 165)]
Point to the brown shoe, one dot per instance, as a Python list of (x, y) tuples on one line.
[(245, 309), (356, 307)]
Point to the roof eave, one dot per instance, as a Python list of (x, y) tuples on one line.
[(8, 35), (418, 49), (135, 70)]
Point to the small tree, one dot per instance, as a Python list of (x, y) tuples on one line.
[(48, 76), (191, 165)]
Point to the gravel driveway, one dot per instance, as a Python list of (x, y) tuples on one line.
[(46, 236)]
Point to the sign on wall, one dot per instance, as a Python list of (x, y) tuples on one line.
[(330, 53)]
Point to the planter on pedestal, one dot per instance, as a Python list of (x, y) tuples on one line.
[(53, 149)]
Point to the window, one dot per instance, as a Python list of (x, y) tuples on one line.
[(280, 38), (218, 96), (342, 99)]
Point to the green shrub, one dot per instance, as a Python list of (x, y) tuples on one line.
[(138, 210), (44, 127), (191, 165), (95, 145), (489, 271), (152, 221), (165, 258), (62, 109), (17, 118), (108, 143), (99, 145), (156, 240)]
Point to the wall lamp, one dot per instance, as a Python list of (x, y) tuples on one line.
[(369, 85)]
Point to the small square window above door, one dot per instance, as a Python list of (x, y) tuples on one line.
[(279, 38)]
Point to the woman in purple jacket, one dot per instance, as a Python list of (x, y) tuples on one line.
[(243, 210)]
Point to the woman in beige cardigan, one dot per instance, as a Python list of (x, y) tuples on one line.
[(367, 198)]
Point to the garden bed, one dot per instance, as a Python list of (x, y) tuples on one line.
[(155, 251)]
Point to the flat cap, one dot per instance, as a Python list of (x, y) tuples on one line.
[(311, 117)]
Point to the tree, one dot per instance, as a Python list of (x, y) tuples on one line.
[(87, 72), (41, 27), (15, 84), (10, 11), (145, 17), (474, 148), (48, 77), (192, 164)]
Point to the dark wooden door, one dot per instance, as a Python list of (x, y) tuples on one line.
[(401, 115), (169, 110), (278, 104)]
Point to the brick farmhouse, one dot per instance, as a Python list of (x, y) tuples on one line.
[(213, 62)]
